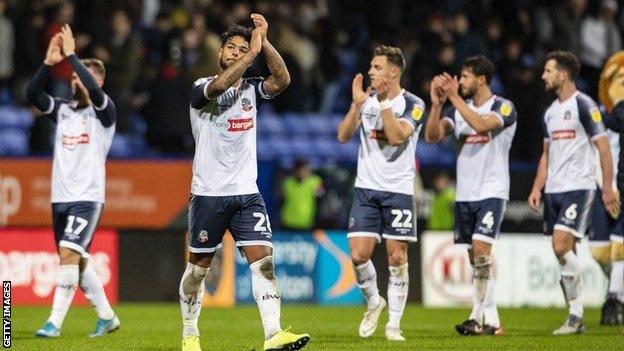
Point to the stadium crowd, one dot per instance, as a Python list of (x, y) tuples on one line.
[(155, 49)]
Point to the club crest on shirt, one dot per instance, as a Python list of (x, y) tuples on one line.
[(505, 110), (417, 113), (595, 115), (246, 104), (567, 116)]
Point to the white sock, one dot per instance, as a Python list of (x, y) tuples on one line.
[(490, 312), (266, 293), (571, 281), (191, 297), (616, 283), (94, 292), (66, 284), (367, 282), (398, 286)]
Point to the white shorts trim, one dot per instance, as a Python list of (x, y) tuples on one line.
[(75, 247), (204, 250), (601, 243), (365, 234), (617, 238), (484, 238), (254, 243), (565, 228), (411, 239)]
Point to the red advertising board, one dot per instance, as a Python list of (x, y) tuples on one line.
[(28, 258)]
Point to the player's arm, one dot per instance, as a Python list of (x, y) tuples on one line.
[(349, 124), (279, 78), (480, 124), (233, 73), (436, 129), (104, 109), (612, 205), (540, 179), (35, 91)]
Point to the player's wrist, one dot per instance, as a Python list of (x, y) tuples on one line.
[(385, 104)]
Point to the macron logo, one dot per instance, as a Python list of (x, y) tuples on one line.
[(240, 125), (71, 140)]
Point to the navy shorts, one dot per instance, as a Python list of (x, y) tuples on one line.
[(478, 220), (74, 224), (568, 211), (382, 214), (245, 216), (603, 226)]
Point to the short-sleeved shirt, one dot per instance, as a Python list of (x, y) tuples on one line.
[(381, 166), (81, 145), (224, 129), (483, 158), (570, 127)]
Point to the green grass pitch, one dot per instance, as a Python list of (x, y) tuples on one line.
[(158, 327)]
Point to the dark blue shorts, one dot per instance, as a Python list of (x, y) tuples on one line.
[(568, 211), (382, 214), (478, 220), (74, 224), (245, 216), (603, 226)]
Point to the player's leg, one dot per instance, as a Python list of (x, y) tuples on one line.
[(364, 234), (207, 221), (251, 228), (399, 229), (616, 283), (465, 218), (489, 217), (68, 274), (571, 225)]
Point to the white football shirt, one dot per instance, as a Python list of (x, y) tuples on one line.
[(570, 127), (381, 166)]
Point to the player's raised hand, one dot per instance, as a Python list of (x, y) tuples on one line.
[(255, 44), (357, 92), (69, 43), (534, 200), (436, 92), (260, 22), (449, 84), (611, 202), (54, 54)]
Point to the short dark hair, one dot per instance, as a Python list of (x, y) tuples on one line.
[(236, 30), (566, 61), (392, 53), (479, 65), (97, 65)]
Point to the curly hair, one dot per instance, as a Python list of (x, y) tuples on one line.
[(613, 68)]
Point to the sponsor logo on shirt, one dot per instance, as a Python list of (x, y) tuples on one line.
[(505, 109), (564, 134), (417, 113), (71, 140), (240, 125), (595, 115), (477, 139)]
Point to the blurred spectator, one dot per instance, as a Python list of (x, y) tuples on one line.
[(7, 40), (567, 17), (300, 191), (600, 38), (465, 41), (443, 203), (61, 75), (122, 56)]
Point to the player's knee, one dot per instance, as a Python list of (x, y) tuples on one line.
[(359, 258), (483, 267), (617, 251), (602, 255), (69, 256), (397, 258)]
